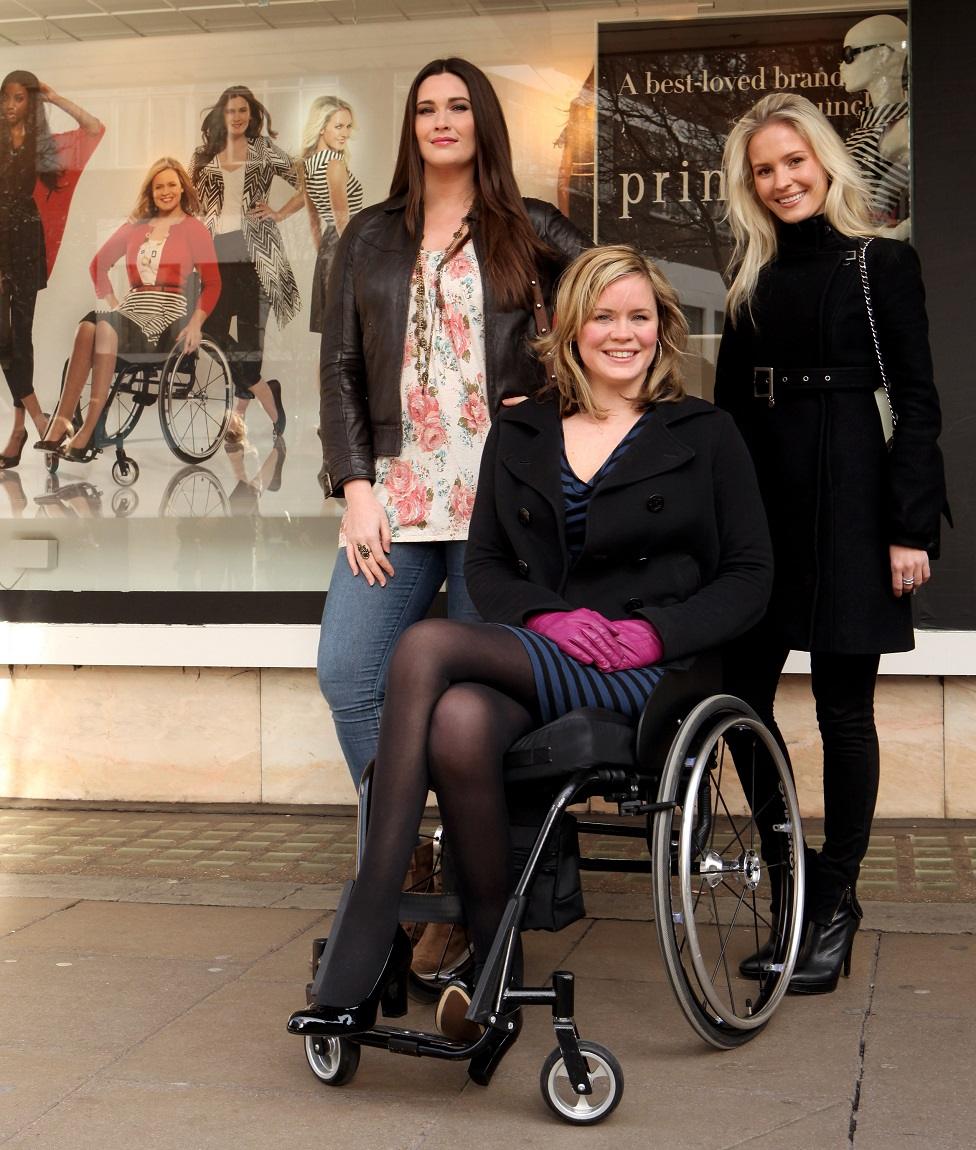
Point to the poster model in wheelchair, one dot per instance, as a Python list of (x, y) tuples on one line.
[(717, 899), (194, 394)]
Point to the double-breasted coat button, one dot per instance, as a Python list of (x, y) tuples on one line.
[(655, 503), (633, 605), (523, 568), (524, 516)]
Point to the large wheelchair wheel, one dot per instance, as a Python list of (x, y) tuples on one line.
[(713, 879), (196, 396)]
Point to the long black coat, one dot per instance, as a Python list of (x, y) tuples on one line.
[(835, 498), (675, 533)]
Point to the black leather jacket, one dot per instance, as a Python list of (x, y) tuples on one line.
[(365, 328)]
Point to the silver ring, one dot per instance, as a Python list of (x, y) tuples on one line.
[(908, 582), (363, 550)]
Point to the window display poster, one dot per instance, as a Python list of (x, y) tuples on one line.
[(668, 93), (120, 198)]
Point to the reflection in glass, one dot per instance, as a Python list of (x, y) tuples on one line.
[(233, 171), (162, 244), (38, 175), (332, 193)]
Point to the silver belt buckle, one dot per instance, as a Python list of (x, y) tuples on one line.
[(763, 377)]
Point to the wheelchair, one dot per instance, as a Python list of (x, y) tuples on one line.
[(194, 393), (676, 788)]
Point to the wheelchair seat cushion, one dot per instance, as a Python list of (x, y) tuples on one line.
[(587, 737)]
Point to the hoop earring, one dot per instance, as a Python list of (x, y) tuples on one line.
[(658, 355)]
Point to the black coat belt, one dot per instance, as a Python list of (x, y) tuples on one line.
[(766, 381)]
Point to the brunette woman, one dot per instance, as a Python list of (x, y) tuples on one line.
[(430, 303), (162, 244), (233, 171), (38, 175), (592, 588), (854, 525)]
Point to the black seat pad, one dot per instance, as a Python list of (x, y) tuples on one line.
[(586, 737)]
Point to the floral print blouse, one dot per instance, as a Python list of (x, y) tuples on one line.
[(428, 489)]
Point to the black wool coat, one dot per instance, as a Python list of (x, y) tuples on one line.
[(835, 497), (675, 534)]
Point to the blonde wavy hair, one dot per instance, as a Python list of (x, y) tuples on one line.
[(321, 112), (580, 288), (145, 209), (753, 226)]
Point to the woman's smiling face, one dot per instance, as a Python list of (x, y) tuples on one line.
[(790, 180), (618, 342)]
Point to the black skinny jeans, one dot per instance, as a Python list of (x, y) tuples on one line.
[(843, 689)]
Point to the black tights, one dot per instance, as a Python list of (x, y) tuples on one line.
[(843, 688), (458, 695)]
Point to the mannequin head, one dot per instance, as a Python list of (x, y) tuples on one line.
[(875, 51)]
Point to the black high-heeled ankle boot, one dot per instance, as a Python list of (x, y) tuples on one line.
[(389, 992), (828, 949)]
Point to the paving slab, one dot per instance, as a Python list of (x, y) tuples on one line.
[(160, 931), (36, 1077), (927, 975), (16, 913), (918, 1081), (172, 1116), (63, 1001)]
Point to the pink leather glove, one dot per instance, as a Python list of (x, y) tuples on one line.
[(638, 642), (584, 634)]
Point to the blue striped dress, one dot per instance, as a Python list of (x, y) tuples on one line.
[(562, 684)]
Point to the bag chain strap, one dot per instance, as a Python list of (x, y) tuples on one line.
[(862, 264)]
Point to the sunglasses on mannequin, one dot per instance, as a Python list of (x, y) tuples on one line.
[(849, 55)]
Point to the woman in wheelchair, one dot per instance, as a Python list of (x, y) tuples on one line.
[(163, 244), (617, 526)]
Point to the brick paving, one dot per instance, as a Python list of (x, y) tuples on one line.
[(932, 862)]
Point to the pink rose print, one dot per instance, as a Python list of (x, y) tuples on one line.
[(411, 509), (462, 501), (422, 406), (457, 329), (474, 413), (400, 479), (461, 265), (432, 434)]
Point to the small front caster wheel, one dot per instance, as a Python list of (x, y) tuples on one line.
[(125, 473), (334, 1061), (606, 1080)]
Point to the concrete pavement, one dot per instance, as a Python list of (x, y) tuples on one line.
[(150, 1010)]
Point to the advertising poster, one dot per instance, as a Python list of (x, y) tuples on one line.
[(667, 94)]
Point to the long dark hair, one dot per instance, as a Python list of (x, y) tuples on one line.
[(39, 144), (510, 244), (214, 126)]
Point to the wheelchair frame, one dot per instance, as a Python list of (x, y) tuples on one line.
[(195, 393), (698, 845)]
